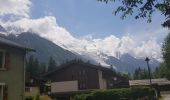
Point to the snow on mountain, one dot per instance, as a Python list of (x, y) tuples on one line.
[(108, 51), (2, 30)]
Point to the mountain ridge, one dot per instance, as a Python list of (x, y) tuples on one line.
[(46, 48)]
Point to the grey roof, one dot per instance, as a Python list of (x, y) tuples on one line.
[(14, 44), (160, 81)]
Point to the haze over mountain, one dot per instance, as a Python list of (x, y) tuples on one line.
[(61, 53)]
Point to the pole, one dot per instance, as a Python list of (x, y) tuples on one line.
[(147, 61)]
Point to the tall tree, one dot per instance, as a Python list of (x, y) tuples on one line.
[(30, 63), (162, 71), (141, 74), (36, 67), (43, 68), (32, 66), (166, 51), (51, 64), (144, 8)]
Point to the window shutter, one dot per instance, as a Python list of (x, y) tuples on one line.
[(7, 60)]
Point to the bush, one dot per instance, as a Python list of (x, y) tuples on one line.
[(32, 98), (133, 93), (29, 98)]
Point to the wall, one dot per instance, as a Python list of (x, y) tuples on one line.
[(102, 81), (14, 77), (66, 86), (75, 72)]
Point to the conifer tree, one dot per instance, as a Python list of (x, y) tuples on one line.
[(51, 64)]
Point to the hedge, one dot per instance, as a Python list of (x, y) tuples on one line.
[(133, 93), (32, 98)]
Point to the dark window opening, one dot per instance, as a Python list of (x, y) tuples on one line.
[(1, 59)]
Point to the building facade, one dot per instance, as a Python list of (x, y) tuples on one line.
[(12, 70)]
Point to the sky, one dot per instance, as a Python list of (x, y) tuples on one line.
[(85, 26)]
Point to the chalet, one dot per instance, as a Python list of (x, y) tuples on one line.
[(78, 77), (12, 70)]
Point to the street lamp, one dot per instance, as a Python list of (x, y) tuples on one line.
[(147, 61)]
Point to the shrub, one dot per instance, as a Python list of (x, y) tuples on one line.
[(32, 97), (133, 93), (29, 98)]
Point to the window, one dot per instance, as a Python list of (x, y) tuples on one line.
[(82, 85), (28, 89), (82, 72), (4, 60), (3, 91), (1, 59)]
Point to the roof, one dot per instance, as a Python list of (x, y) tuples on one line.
[(81, 63), (14, 44), (161, 81)]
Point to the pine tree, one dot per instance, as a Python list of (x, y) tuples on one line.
[(32, 66), (36, 67), (51, 64), (43, 68), (141, 74)]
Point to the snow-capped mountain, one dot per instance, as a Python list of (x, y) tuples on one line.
[(2, 29), (62, 52)]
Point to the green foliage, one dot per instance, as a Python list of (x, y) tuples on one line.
[(43, 68), (37, 97), (166, 50), (134, 93), (32, 66), (32, 97), (51, 64), (144, 8), (141, 74), (162, 71), (29, 98)]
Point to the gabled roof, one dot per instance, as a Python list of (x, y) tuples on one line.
[(80, 63), (14, 44)]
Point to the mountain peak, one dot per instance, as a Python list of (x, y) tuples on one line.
[(2, 30)]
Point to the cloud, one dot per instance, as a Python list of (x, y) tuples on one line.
[(15, 7), (48, 28), (149, 48), (45, 27), (112, 45)]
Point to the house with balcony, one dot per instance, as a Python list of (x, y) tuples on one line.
[(12, 70), (77, 77)]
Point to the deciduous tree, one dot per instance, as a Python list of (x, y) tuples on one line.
[(143, 9)]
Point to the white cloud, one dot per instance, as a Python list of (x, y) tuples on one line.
[(45, 27), (149, 48), (48, 28), (15, 7), (111, 45)]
